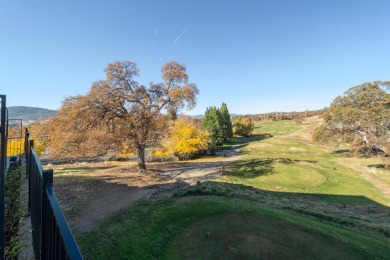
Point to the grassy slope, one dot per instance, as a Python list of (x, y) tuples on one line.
[(289, 163), (158, 230)]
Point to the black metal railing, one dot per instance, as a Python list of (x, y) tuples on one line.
[(3, 166), (52, 238)]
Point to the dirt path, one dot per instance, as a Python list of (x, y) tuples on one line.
[(109, 202), (203, 171), (108, 189)]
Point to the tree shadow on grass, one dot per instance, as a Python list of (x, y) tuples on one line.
[(259, 137), (291, 161), (343, 152), (250, 169), (258, 167), (377, 166)]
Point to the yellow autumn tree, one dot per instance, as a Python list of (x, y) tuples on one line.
[(186, 139), (243, 126)]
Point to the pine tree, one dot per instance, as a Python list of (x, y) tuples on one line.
[(226, 123), (212, 123)]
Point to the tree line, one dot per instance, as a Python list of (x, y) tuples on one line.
[(294, 115)]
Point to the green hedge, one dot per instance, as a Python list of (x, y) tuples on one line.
[(14, 212)]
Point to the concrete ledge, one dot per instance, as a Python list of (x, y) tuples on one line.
[(25, 229)]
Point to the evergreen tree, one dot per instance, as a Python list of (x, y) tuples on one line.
[(226, 123), (212, 123)]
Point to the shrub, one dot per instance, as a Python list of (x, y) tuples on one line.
[(243, 126), (186, 140), (14, 212)]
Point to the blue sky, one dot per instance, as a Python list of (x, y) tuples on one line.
[(257, 56)]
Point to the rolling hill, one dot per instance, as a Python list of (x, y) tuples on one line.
[(29, 114)]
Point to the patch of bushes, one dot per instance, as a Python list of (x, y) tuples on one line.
[(14, 212), (190, 156)]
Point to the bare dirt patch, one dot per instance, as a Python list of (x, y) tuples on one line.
[(90, 193)]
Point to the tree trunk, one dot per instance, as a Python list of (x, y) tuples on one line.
[(141, 157)]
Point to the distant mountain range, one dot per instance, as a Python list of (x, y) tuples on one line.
[(29, 114)]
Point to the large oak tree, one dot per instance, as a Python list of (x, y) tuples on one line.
[(360, 117), (119, 112)]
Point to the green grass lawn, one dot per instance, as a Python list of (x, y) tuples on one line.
[(286, 198), (285, 164), (281, 127), (176, 228)]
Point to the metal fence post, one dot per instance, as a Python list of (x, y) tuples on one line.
[(30, 145), (26, 151), (3, 164), (47, 229), (47, 178)]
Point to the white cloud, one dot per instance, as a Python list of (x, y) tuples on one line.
[(180, 35)]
